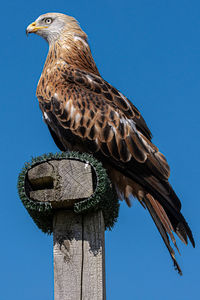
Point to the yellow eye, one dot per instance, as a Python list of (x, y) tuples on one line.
[(48, 21)]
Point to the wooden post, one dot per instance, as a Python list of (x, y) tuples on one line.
[(79, 247), (79, 259)]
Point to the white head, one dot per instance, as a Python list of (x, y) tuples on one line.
[(52, 26)]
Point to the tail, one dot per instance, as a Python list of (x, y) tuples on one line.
[(161, 201), (167, 223)]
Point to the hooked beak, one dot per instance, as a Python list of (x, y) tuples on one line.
[(33, 28)]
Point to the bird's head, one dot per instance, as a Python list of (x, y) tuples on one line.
[(67, 41), (52, 26)]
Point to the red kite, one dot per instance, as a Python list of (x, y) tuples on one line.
[(84, 112)]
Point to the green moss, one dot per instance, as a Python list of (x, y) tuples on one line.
[(104, 196)]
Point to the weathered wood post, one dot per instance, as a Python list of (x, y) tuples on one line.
[(62, 194)]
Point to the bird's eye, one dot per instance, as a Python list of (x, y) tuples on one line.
[(48, 21)]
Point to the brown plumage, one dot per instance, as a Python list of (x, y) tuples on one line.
[(85, 113)]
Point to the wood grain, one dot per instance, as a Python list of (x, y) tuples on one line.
[(61, 182), (93, 283), (67, 250), (79, 256)]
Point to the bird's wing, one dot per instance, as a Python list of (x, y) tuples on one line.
[(94, 110)]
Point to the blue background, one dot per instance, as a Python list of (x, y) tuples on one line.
[(150, 51)]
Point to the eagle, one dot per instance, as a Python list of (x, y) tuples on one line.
[(85, 113)]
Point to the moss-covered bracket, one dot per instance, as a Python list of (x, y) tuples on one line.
[(104, 196)]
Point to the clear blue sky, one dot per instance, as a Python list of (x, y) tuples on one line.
[(150, 51)]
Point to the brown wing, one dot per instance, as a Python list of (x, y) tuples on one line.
[(92, 109)]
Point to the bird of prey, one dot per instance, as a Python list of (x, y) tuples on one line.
[(84, 112)]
